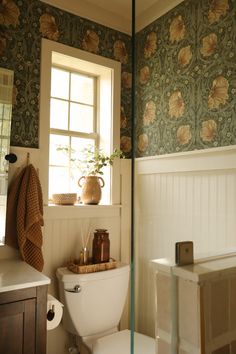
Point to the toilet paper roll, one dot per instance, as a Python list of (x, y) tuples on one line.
[(54, 312)]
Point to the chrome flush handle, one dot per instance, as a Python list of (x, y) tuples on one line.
[(77, 289)]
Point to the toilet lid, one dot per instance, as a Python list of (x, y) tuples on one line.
[(119, 343)]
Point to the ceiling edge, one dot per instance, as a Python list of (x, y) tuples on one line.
[(154, 12), (93, 13)]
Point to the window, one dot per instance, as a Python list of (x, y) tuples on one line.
[(79, 106), (73, 126)]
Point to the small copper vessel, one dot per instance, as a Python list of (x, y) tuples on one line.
[(101, 246)]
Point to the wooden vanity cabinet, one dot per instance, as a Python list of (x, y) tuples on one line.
[(23, 321)]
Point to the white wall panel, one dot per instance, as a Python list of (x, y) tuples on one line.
[(62, 241), (175, 206)]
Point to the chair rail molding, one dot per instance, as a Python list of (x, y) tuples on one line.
[(222, 158)]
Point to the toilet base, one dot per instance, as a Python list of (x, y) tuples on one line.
[(119, 343), (85, 344), (115, 342), (83, 349)]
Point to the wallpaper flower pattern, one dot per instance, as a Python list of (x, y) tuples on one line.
[(186, 71), (22, 25), (186, 79)]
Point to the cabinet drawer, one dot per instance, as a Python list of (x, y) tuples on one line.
[(17, 295)]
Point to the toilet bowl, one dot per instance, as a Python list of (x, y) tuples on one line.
[(93, 305)]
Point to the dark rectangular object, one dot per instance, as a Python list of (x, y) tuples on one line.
[(184, 253)]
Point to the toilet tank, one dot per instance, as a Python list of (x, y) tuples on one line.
[(98, 306)]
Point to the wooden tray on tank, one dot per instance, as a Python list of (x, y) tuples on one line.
[(74, 267)]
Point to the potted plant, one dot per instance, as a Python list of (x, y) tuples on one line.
[(91, 168)]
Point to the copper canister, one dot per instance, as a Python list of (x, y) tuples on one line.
[(101, 246)]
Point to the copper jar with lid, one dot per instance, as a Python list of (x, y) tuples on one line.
[(101, 246)]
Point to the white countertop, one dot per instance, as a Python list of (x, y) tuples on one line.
[(201, 270), (16, 274), (207, 270), (164, 264)]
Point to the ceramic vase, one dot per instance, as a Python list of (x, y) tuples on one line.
[(91, 189)]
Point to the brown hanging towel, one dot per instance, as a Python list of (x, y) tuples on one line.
[(25, 217)]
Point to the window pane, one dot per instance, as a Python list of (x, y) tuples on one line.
[(63, 180), (82, 89), (59, 114), (81, 118), (58, 180), (59, 157), (5, 128), (4, 145), (74, 177), (60, 83), (5, 111), (5, 125), (78, 145)]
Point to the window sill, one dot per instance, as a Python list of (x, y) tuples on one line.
[(76, 211)]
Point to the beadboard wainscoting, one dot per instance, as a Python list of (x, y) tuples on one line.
[(62, 235), (62, 241), (189, 196)]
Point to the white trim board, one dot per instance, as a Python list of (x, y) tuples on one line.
[(52, 212), (109, 71), (202, 160)]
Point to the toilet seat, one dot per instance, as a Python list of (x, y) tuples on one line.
[(119, 343)]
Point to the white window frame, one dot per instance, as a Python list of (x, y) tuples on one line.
[(109, 73)]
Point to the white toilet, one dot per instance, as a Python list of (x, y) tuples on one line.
[(93, 307)]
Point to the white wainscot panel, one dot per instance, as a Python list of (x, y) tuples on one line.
[(175, 202), (62, 241), (200, 207)]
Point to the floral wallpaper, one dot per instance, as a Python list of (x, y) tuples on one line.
[(186, 72), (186, 79), (22, 25)]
